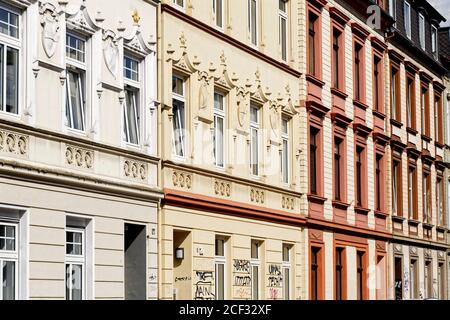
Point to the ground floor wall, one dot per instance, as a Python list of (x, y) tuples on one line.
[(114, 239), (207, 256)]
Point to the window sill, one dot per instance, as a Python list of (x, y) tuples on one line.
[(426, 138), (439, 144), (412, 131), (396, 123), (441, 229), (340, 205), (315, 80), (427, 225), (338, 92), (381, 214), (398, 218), (379, 114), (360, 104), (413, 222), (362, 211), (316, 198)]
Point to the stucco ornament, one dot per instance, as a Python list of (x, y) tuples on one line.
[(241, 110), (203, 100), (274, 118), (50, 32), (111, 55)]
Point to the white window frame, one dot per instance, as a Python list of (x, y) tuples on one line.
[(250, 21), (255, 130), (81, 68), (183, 6), (393, 10), (14, 43), (11, 256), (285, 154), (284, 15), (422, 31), (256, 262), (215, 5), (76, 260), (134, 86), (220, 114), (435, 42), (221, 260), (287, 265), (407, 18), (180, 98)]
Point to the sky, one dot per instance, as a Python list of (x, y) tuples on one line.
[(443, 6)]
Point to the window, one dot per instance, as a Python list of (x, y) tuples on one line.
[(411, 102), (412, 192), (358, 72), (8, 261), (422, 31), (313, 159), (434, 42), (440, 211), (428, 280), (336, 58), (414, 279), (392, 9), (178, 110), (407, 18), (220, 264), (218, 12), (131, 110), (398, 278), (338, 168), (179, 3), (9, 61), (441, 281), (339, 274), (426, 198), (287, 271), (360, 275), (397, 186), (359, 176), (377, 83), (395, 94), (255, 264), (283, 25), (75, 82), (253, 21), (254, 139), (285, 151), (379, 182), (425, 106), (313, 44), (219, 129), (316, 271), (438, 112), (75, 264)]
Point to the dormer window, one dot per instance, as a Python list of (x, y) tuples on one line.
[(422, 31), (434, 42)]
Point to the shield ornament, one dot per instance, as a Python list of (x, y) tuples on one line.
[(111, 55), (50, 34)]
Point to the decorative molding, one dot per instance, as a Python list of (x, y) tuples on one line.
[(427, 253), (413, 251), (50, 28), (81, 21), (14, 143), (257, 196), (287, 203), (79, 157), (111, 52), (135, 43), (182, 179), (398, 249), (222, 188), (135, 170)]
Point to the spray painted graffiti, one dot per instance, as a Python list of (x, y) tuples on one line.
[(241, 266), (275, 277), (242, 279), (274, 293), (204, 289)]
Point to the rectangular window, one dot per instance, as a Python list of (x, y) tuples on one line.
[(178, 120), (75, 83), (131, 116), (313, 158), (440, 211), (219, 129), (434, 42), (438, 112), (425, 106), (253, 21), (179, 3), (9, 78), (428, 280), (218, 12), (285, 154), (287, 271), (339, 274), (8, 261), (336, 58), (407, 18), (360, 275), (359, 176), (358, 72), (411, 102), (220, 264), (313, 45), (422, 31), (316, 282), (378, 181), (395, 93), (396, 187), (9, 23), (414, 279), (255, 265), (393, 9), (338, 166), (283, 26), (254, 139), (441, 281), (377, 83), (426, 197), (398, 278), (412, 192), (75, 264)]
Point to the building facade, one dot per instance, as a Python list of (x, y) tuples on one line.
[(78, 150)]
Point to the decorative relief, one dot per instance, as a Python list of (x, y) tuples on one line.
[(222, 188), (257, 195), (441, 255), (50, 28), (397, 248), (287, 203), (111, 52), (182, 179), (13, 143), (427, 253), (242, 107), (135, 170), (203, 99), (79, 157), (413, 251)]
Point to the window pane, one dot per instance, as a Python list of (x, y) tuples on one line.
[(255, 148), (75, 100), (9, 23), (9, 280), (75, 48), (283, 38), (255, 282), (131, 117), (220, 247), (253, 22), (218, 101), (12, 80), (286, 253), (131, 69), (218, 141), (178, 127), (285, 164), (255, 250), (220, 282), (7, 238), (177, 86), (286, 283), (74, 282), (1, 77)]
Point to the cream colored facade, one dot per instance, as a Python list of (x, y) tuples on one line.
[(56, 180)]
